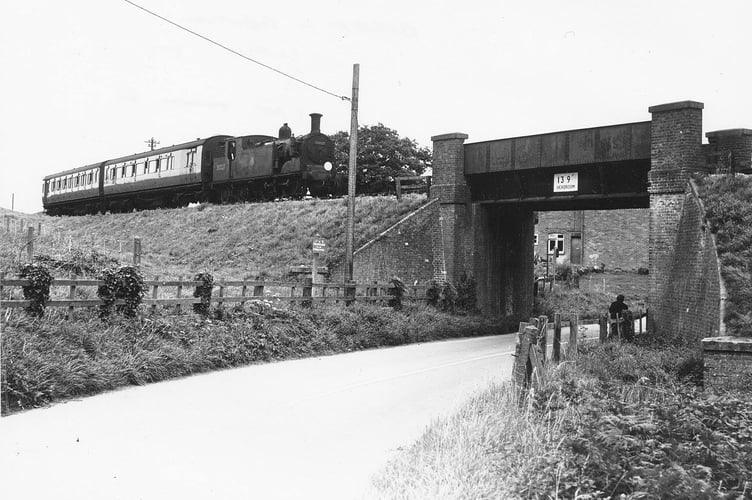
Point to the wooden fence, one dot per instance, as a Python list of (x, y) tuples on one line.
[(180, 292), (532, 337)]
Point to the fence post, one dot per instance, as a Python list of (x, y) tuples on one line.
[(308, 291), (243, 293), (179, 293), (30, 243), (349, 292), (71, 296), (136, 251), (7, 223), (603, 322), (39, 229), (258, 290), (557, 337), (543, 335), (155, 294), (574, 326), (398, 187), (220, 302)]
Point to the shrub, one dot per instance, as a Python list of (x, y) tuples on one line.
[(125, 284), (397, 291), (204, 292), (442, 295), (467, 299), (38, 289)]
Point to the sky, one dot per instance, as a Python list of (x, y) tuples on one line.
[(87, 80)]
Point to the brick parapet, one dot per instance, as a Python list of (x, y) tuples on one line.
[(676, 136), (728, 363), (448, 163), (730, 149)]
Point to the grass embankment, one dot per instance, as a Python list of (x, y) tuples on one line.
[(242, 241), (49, 359), (623, 420), (728, 210)]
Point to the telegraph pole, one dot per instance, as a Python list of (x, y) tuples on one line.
[(152, 143), (351, 175)]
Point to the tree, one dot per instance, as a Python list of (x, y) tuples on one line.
[(382, 156)]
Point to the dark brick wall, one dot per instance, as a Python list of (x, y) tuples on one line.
[(690, 303), (616, 238), (502, 259), (405, 250)]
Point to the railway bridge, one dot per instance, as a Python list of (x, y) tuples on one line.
[(488, 193)]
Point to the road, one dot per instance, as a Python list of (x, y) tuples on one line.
[(311, 428)]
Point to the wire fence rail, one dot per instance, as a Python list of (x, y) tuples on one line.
[(180, 292)]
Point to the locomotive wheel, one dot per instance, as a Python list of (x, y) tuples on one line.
[(225, 196)]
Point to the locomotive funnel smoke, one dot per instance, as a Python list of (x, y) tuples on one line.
[(315, 123)]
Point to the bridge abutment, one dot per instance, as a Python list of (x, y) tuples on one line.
[(481, 241), (675, 151)]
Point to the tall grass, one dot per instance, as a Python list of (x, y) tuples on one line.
[(624, 421), (492, 448), (49, 359)]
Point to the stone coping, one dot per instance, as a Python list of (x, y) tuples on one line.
[(734, 344), (673, 106), (449, 137), (729, 132)]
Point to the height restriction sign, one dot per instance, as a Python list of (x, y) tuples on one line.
[(565, 182)]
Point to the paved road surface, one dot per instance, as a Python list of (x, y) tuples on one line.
[(313, 428)]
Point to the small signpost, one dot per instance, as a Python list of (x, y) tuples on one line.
[(319, 248), (567, 182)]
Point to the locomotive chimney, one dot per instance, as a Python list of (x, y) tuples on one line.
[(315, 123)]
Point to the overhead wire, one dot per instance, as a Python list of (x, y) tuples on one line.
[(342, 97)]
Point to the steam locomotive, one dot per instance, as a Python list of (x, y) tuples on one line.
[(219, 169)]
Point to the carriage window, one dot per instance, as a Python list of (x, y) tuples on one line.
[(133, 169), (122, 171), (156, 166), (169, 163), (91, 177), (146, 166)]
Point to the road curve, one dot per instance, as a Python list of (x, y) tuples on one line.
[(310, 428)]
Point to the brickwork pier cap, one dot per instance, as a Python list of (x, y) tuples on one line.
[(675, 106), (729, 132), (449, 137)]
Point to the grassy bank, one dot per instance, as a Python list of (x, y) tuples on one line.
[(52, 359), (623, 420), (241, 241)]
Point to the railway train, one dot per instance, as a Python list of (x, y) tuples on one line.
[(218, 169)]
